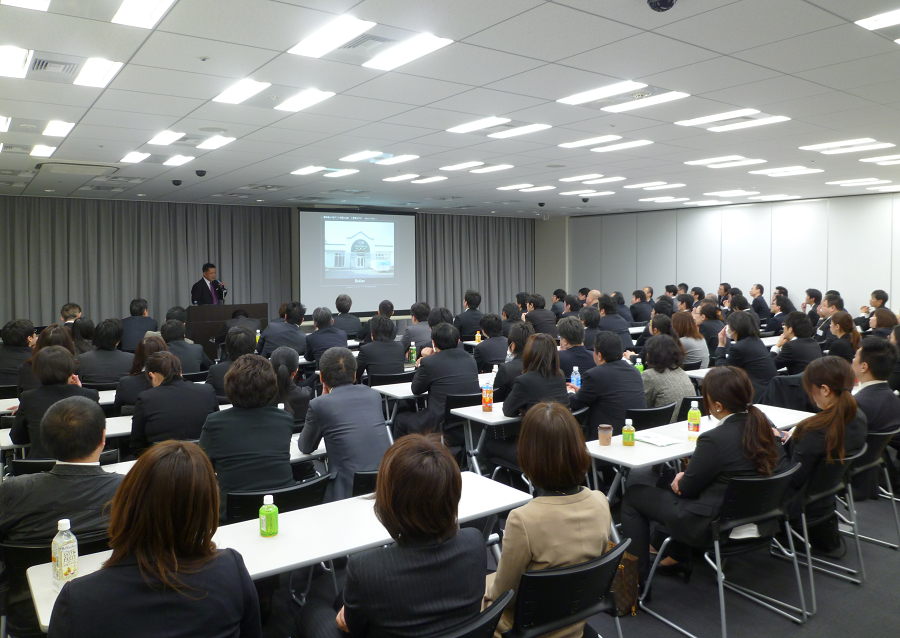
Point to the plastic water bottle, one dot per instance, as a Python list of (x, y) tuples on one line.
[(412, 353), (639, 365), (64, 555), (628, 433), (268, 517), (478, 336), (487, 397), (257, 336), (693, 418), (576, 377), (494, 372)]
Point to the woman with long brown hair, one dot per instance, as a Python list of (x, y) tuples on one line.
[(848, 338), (52, 335), (742, 444), (137, 381), (165, 576), (541, 378), (882, 322), (685, 331)]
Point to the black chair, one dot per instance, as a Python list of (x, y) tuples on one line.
[(751, 500), (7, 392), (18, 467), (388, 379), (639, 324), (100, 387), (551, 599), (686, 405), (873, 459), (108, 457), (195, 377), (695, 365), (766, 333), (506, 433), (244, 506), (364, 482), (581, 416), (450, 425), (786, 391), (484, 624), (644, 418)]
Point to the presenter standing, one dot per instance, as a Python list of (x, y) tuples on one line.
[(209, 290)]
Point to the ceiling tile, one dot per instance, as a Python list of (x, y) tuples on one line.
[(303, 72), (48, 92), (469, 64), (238, 113), (122, 119), (485, 102), (306, 121), (99, 133), (391, 132), (350, 106), (883, 92), (710, 75), (849, 75), (292, 137), (183, 53), (818, 104), (408, 89), (146, 103), (764, 92), (856, 10), (40, 111), (148, 79), (552, 82), (639, 15)]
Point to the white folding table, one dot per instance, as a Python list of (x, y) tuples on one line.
[(478, 415)]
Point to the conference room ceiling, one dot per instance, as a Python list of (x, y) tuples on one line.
[(514, 59)]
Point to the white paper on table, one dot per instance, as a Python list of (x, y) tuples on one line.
[(659, 440)]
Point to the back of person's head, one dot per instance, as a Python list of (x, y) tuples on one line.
[(640, 295), (166, 365), (608, 345), (672, 289), (70, 312), (439, 315), (608, 305), (386, 308), (559, 293), (800, 324), (682, 287), (108, 334), (522, 299), (573, 302), (815, 295), (833, 301), (53, 365), (572, 330), (744, 325), (590, 316), (885, 318), (172, 330), (420, 310), (709, 311), (240, 312), (683, 325), (445, 336), (343, 303), (322, 317), (250, 382), (879, 355), (648, 290), (835, 374), (146, 347), (781, 290), (177, 313), (844, 321), (82, 331), (512, 312), (663, 353), (618, 298), (686, 299), (16, 333), (473, 299), (418, 490), (739, 302), (518, 335), (491, 325), (537, 300), (584, 291), (880, 295), (697, 292), (54, 335), (382, 328), (72, 429), (137, 307), (165, 513), (551, 449), (285, 361), (239, 341), (541, 356), (663, 307), (834, 293), (662, 324), (735, 291), (731, 387), (337, 367), (294, 312)]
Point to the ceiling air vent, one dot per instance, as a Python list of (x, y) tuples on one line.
[(445, 199), (103, 189), (76, 168), (269, 188), (367, 42), (16, 148), (231, 195), (348, 191), (49, 66)]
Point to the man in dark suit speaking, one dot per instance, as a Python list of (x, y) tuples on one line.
[(209, 290)]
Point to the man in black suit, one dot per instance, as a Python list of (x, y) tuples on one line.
[(573, 307), (191, 355), (105, 364), (672, 294), (238, 318), (811, 305), (418, 333), (137, 325), (508, 372), (511, 315), (706, 316), (284, 334), (640, 307), (610, 388), (698, 296), (759, 305), (542, 319), (612, 322), (69, 313), (572, 352), (796, 348), (382, 355), (385, 309), (746, 351), (590, 319), (326, 335), (209, 290), (831, 303), (684, 303), (343, 320), (492, 349), (724, 293), (557, 302), (178, 314), (623, 310), (878, 300), (350, 419), (19, 337), (469, 320), (239, 341)]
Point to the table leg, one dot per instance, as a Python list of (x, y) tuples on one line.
[(617, 481), (467, 427)]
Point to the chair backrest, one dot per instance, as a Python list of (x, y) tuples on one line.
[(753, 499), (484, 624), (195, 376), (244, 506), (786, 391), (458, 401), (644, 418), (686, 405), (18, 467), (639, 324), (694, 365), (388, 379), (828, 479), (109, 456), (551, 599), (766, 333), (100, 387), (351, 335), (876, 444), (364, 482), (7, 392)]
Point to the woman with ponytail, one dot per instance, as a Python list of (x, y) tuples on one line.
[(742, 444), (847, 336), (286, 363)]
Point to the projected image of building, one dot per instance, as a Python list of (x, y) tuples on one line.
[(364, 253)]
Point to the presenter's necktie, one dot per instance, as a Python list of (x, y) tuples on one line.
[(212, 289)]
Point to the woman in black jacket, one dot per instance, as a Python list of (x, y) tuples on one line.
[(882, 322), (52, 335), (137, 381), (286, 363), (847, 342), (796, 348), (511, 370), (746, 351), (709, 323), (382, 355)]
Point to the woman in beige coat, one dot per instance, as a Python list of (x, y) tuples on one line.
[(566, 524)]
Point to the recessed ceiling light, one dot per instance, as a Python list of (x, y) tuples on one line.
[(647, 101), (855, 149), (56, 128), (872, 183), (134, 157), (342, 172), (855, 182), (667, 200), (97, 72), (142, 194), (514, 187), (880, 21), (477, 125), (428, 180), (590, 141), (605, 180), (772, 198), (663, 187), (397, 159), (4, 123), (166, 137), (459, 167), (42, 151), (36, 5), (581, 178), (491, 169), (581, 192), (362, 155), (890, 163), (521, 130), (742, 162), (535, 189), (407, 51), (178, 160), (717, 118), (141, 13), (766, 171), (715, 160), (879, 160), (303, 100), (400, 178), (885, 189), (736, 193), (623, 145), (240, 91), (14, 62), (749, 124), (309, 170), (645, 184), (822, 147), (216, 141), (705, 202), (328, 38), (787, 171), (598, 94)]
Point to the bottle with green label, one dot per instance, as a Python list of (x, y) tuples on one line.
[(693, 418), (639, 365), (412, 353), (268, 517), (628, 433)]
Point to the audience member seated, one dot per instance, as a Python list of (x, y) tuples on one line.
[(779, 313), (432, 578), (557, 302), (522, 302), (593, 299), (611, 321), (610, 388), (662, 308), (239, 318), (541, 379), (685, 302), (69, 313), (796, 348), (846, 337), (543, 320), (882, 322), (510, 315), (136, 325), (894, 379), (709, 323), (19, 338), (288, 333), (640, 308), (582, 294), (173, 408), (746, 351), (326, 335), (385, 309), (590, 319), (137, 380), (165, 576), (622, 309), (831, 304), (295, 398), (739, 303), (565, 524), (878, 300), (664, 380), (572, 352), (468, 322), (54, 367), (178, 314), (417, 333), (350, 419), (52, 335), (493, 347), (82, 334), (810, 305), (694, 345), (510, 371), (435, 317), (743, 444), (343, 320), (672, 294), (239, 341), (105, 364), (724, 293), (698, 295), (191, 355), (572, 306), (250, 444), (759, 305), (381, 355)]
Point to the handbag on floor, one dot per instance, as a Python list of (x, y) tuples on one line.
[(625, 585)]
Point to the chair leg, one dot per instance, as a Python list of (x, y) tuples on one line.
[(888, 494), (720, 579), (809, 563), (787, 528), (643, 605), (618, 627)]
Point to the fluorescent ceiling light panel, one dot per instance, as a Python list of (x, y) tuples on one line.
[(400, 178), (309, 170), (14, 62), (743, 162), (654, 199), (362, 155), (459, 167), (605, 180), (880, 21), (623, 145), (397, 159), (334, 34), (663, 187), (342, 172), (799, 171), (647, 101), (582, 192), (737, 193), (36, 5), (885, 189), (774, 197), (400, 54), (4, 123), (240, 91), (749, 124), (428, 180), (141, 13), (877, 181), (303, 100), (514, 187), (705, 202), (730, 115), (590, 141), (56, 128), (766, 171), (491, 169), (581, 178), (715, 160), (166, 137), (855, 149), (890, 163), (178, 160), (216, 141), (883, 158), (535, 189), (42, 151), (822, 147), (134, 157), (604, 91), (645, 184), (97, 72), (521, 130), (477, 125), (667, 200), (851, 182)]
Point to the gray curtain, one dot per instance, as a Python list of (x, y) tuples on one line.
[(493, 255), (102, 254)]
